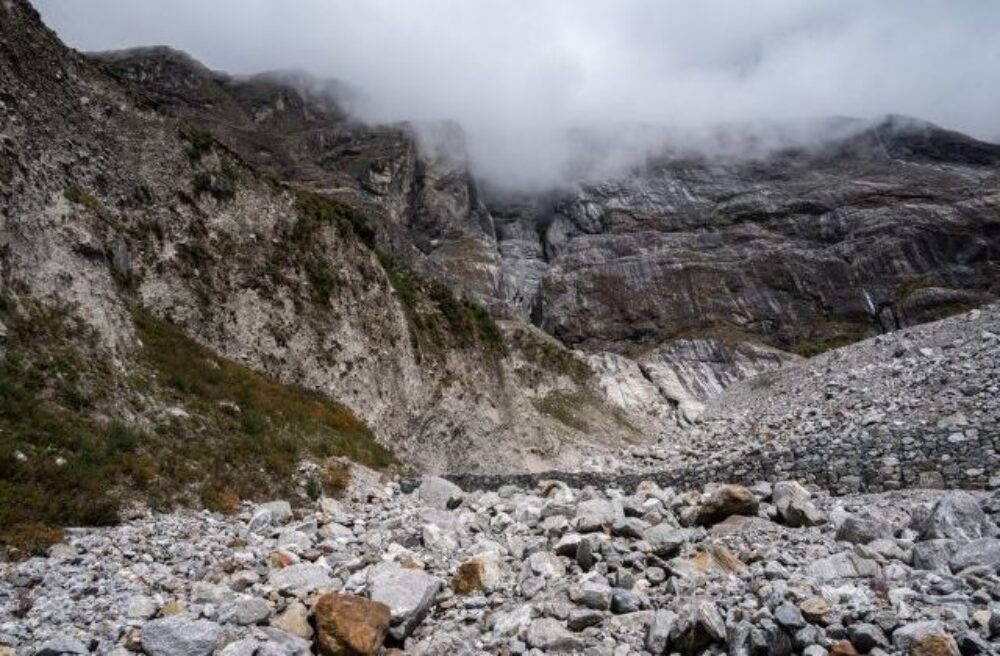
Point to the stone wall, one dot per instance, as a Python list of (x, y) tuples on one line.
[(886, 458)]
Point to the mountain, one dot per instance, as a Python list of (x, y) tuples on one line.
[(180, 322), (878, 225), (253, 226)]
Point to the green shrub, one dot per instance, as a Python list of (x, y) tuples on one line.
[(200, 143)]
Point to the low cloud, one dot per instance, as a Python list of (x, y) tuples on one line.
[(532, 81)]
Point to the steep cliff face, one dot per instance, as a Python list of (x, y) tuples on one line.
[(806, 248), (110, 206), (801, 250)]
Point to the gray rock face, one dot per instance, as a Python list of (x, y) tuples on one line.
[(180, 635)]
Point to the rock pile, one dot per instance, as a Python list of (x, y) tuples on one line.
[(774, 568)]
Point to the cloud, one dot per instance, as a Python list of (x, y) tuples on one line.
[(524, 77)]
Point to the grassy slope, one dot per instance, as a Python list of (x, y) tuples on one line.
[(215, 431)]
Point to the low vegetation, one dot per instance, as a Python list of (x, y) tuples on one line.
[(214, 431), (576, 409), (438, 317)]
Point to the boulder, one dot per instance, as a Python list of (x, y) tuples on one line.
[(957, 516), (661, 626), (180, 635), (550, 635), (408, 593), (597, 515), (842, 565), (794, 506), (666, 540), (935, 554), (437, 492), (480, 573), (61, 646), (301, 577), (984, 552), (272, 513), (908, 637), (862, 529), (725, 501), (350, 626), (700, 626)]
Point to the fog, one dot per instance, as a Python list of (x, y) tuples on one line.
[(527, 78)]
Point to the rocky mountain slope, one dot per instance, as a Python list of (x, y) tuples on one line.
[(175, 320), (878, 225)]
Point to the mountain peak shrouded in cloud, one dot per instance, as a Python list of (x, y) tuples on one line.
[(525, 79)]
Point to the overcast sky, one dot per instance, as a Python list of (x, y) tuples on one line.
[(517, 74)]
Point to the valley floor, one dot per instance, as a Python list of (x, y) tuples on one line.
[(650, 555), (773, 569)]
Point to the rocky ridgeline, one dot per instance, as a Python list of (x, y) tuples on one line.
[(769, 569)]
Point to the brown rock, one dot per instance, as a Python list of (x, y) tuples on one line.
[(726, 501), (350, 626), (468, 577), (843, 648), (480, 572), (934, 644), (172, 608), (814, 609)]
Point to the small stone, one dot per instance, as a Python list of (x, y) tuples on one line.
[(303, 576), (666, 540), (625, 601), (550, 635), (789, 616), (244, 611), (141, 608), (294, 620), (478, 573), (180, 635), (866, 637), (843, 648), (815, 609), (60, 646)]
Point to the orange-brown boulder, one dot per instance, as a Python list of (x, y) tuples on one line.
[(350, 626), (726, 501)]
